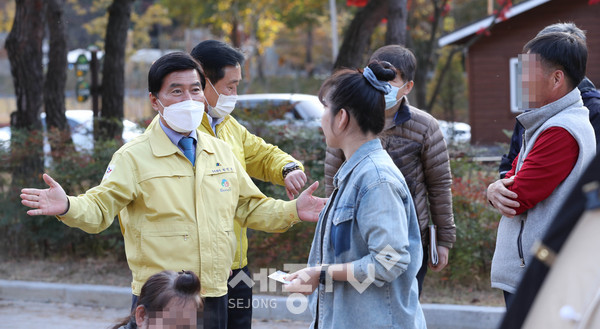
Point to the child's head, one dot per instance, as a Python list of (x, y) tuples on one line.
[(168, 300)]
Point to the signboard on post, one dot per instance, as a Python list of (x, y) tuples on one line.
[(82, 91), (82, 66), (82, 88)]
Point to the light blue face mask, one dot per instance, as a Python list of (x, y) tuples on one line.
[(391, 97)]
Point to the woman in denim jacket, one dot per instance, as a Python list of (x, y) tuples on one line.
[(367, 246)]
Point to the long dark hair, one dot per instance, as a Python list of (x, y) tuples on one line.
[(162, 288), (352, 91)]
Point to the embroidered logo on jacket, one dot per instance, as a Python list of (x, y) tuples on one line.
[(225, 186), (108, 171)]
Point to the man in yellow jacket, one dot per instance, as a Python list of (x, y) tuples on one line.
[(177, 192), (222, 65)]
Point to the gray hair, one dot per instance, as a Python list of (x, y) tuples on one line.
[(569, 28)]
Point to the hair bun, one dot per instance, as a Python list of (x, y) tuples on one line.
[(384, 71), (187, 282), (381, 86)]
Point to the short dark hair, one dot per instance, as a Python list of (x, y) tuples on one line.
[(400, 57), (562, 51), (214, 56), (169, 63), (350, 90)]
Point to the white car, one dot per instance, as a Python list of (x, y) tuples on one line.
[(280, 109), (455, 132), (81, 124)]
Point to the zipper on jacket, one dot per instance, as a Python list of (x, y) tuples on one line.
[(520, 244), (241, 247)]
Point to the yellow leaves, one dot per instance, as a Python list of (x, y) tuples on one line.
[(97, 5), (97, 26), (7, 16), (79, 10), (157, 14), (142, 25), (449, 23), (268, 29)]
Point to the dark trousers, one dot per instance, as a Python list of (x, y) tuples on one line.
[(239, 306), (508, 298), (423, 269), (215, 312)]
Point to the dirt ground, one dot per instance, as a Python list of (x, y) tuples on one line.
[(106, 271)]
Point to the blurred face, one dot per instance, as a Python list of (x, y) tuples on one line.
[(174, 316), (226, 86), (177, 87), (327, 124), (536, 86)]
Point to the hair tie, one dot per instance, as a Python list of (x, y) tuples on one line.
[(382, 86)]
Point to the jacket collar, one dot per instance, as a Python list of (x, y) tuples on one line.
[(403, 113), (356, 158), (532, 120), (586, 85), (162, 146), (206, 122)]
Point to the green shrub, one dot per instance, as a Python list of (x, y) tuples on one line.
[(476, 223), (266, 250), (21, 234)]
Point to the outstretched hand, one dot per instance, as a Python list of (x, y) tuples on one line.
[(51, 201), (309, 206)]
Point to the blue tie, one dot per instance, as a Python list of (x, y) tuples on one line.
[(187, 145)]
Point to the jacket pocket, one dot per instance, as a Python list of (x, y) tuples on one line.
[(168, 248), (520, 244), (341, 230)]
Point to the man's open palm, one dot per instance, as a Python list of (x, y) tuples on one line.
[(51, 201)]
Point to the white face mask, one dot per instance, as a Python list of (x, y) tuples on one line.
[(391, 98), (183, 117), (225, 104)]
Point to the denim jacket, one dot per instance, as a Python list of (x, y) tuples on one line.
[(371, 223)]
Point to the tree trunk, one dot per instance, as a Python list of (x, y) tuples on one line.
[(426, 62), (235, 35), (357, 38), (113, 73), (24, 48), (310, 66), (56, 76), (396, 24)]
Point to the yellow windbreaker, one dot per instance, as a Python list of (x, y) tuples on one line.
[(174, 216), (260, 159)]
